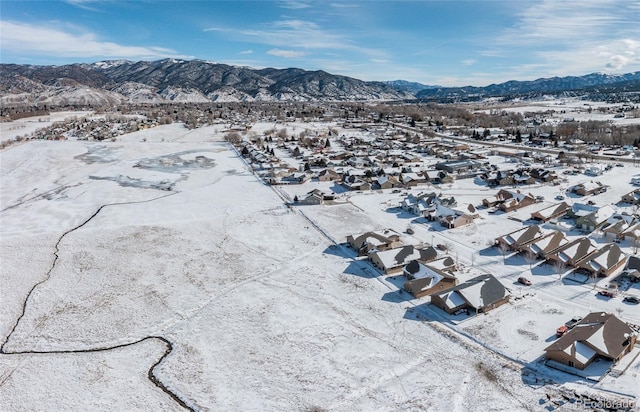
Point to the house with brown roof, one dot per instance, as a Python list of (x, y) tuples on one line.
[(603, 261), (543, 246), (571, 253), (386, 182), (424, 279), (520, 238), (518, 201), (507, 200), (551, 212), (329, 175), (383, 239), (393, 261), (588, 188), (598, 335), (480, 295), (632, 197)]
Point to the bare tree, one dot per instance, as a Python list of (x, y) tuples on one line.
[(504, 248), (233, 137), (530, 258)]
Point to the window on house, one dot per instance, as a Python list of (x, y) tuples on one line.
[(570, 363)]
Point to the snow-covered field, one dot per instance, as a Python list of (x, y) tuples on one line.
[(214, 295)]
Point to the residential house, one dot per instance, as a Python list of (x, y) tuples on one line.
[(377, 240), (386, 182), (392, 261), (551, 212), (425, 279), (417, 204), (543, 175), (461, 166), (571, 253), (632, 197), (632, 234), (437, 176), (603, 262), (518, 201), (593, 171), (314, 197), (479, 294), (451, 217), (598, 335), (522, 177), (508, 201), (543, 246), (596, 219), (588, 188), (617, 224), (498, 178), (517, 239), (329, 175), (412, 179), (354, 183)]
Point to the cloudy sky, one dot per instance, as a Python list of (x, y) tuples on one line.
[(436, 42)]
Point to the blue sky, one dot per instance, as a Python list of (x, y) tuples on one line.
[(449, 43)]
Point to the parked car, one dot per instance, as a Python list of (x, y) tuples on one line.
[(631, 299), (607, 293), (524, 281), (559, 197), (562, 330), (441, 247), (570, 324)]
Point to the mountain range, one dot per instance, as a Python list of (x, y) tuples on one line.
[(170, 80)]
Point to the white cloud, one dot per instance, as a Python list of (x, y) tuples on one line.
[(344, 5), (468, 62), (246, 52), (290, 54), (570, 38), (296, 5), (302, 34), (29, 38)]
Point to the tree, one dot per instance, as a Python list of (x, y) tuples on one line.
[(233, 137), (504, 248), (327, 144), (307, 167)]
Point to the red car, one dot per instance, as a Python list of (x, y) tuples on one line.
[(562, 330), (524, 281)]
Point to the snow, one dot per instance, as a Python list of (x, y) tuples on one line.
[(263, 310), (582, 352)]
